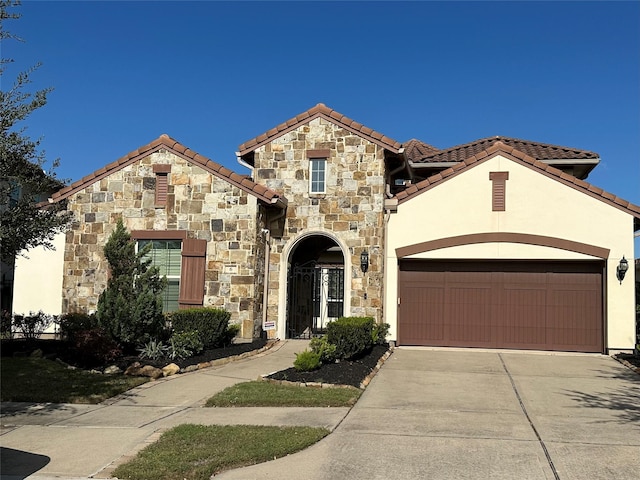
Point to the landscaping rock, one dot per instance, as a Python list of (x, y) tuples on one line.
[(170, 369), (151, 372), (133, 369), (37, 353), (112, 370)]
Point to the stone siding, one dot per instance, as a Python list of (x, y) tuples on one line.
[(350, 210), (204, 206)]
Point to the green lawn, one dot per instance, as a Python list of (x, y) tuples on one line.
[(196, 452), (41, 380), (267, 394)]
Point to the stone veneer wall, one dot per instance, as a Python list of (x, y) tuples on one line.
[(205, 206), (351, 209)]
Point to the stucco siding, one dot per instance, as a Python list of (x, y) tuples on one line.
[(38, 280), (535, 205)]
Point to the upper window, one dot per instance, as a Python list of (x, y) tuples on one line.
[(317, 175), (167, 256)]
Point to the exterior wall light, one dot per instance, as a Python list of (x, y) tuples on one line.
[(621, 269), (364, 261)]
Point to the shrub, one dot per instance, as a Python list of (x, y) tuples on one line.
[(33, 325), (379, 333), (72, 323), (352, 336), (94, 347), (154, 349), (326, 350), (232, 332), (306, 361), (130, 308), (184, 344), (210, 323)]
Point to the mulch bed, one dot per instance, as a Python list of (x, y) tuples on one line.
[(346, 372), (630, 360)]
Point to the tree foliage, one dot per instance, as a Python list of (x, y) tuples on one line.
[(130, 308), (24, 224)]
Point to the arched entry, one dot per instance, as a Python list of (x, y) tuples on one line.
[(315, 286)]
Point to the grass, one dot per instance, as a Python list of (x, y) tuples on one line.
[(196, 452), (267, 394), (40, 380)]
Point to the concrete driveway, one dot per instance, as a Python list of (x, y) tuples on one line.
[(448, 414)]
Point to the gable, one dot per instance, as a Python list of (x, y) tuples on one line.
[(533, 165), (319, 111), (166, 144)]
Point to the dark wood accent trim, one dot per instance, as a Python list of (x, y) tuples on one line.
[(498, 190), (162, 189), (503, 237), (162, 168), (159, 234), (320, 153), (192, 275)]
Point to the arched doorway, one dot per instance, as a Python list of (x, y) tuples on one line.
[(315, 286)]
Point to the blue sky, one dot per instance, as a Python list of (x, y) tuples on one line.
[(215, 74)]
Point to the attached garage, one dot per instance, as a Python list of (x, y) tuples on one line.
[(501, 304)]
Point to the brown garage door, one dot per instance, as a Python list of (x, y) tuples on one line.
[(521, 305)]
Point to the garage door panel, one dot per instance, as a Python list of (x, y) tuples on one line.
[(552, 306)]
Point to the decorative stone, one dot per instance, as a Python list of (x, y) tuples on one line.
[(133, 369), (36, 353), (112, 370), (150, 371), (170, 369)]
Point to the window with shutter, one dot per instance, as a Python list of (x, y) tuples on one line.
[(162, 183), (166, 256)]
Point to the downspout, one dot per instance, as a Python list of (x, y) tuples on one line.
[(265, 281)]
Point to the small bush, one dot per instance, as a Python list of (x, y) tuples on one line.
[(33, 325), (352, 336), (379, 333), (153, 350), (72, 323), (94, 348), (232, 332), (210, 323), (185, 344), (307, 361), (326, 350)]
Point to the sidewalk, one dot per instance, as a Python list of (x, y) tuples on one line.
[(81, 441)]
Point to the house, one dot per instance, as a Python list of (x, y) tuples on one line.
[(496, 243)]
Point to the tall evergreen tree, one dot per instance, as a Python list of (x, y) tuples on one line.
[(24, 223), (130, 308)]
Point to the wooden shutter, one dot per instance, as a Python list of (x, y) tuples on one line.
[(162, 183), (498, 190), (192, 274)]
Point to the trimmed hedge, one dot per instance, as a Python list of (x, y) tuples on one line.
[(210, 323), (352, 336)]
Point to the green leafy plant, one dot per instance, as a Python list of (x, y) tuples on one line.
[(307, 361), (326, 350), (33, 325), (185, 344), (210, 323), (232, 332), (379, 333), (153, 350), (352, 336)]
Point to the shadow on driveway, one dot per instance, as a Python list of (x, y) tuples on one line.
[(18, 464)]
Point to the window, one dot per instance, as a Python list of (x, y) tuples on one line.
[(167, 256), (317, 177)]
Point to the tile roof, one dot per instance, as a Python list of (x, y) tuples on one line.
[(415, 150), (501, 147), (539, 151), (243, 182), (322, 111)]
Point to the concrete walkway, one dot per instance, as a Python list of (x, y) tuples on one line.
[(436, 414), (80, 441)]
